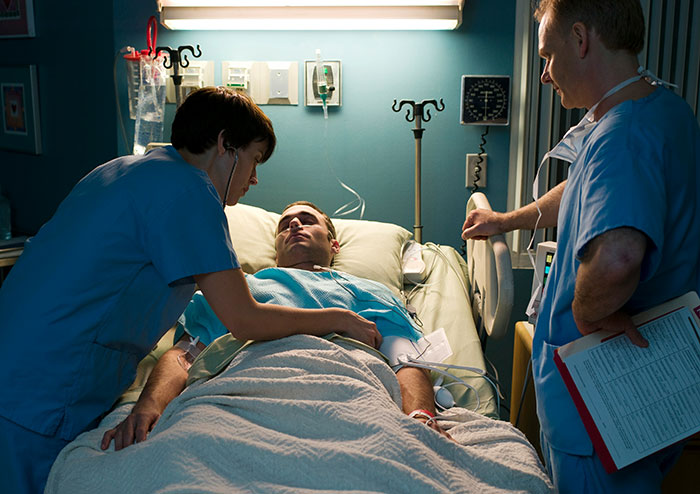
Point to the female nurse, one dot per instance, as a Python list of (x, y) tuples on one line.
[(114, 268)]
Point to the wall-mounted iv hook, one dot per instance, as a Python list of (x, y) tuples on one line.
[(178, 58)]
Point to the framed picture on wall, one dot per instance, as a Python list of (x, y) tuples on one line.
[(19, 102), (17, 19)]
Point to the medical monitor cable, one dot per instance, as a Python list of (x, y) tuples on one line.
[(480, 159), (411, 361), (424, 363), (442, 255), (526, 383), (433, 366), (346, 209), (434, 248), (382, 301)]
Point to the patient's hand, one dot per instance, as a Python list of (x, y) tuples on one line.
[(359, 328), (436, 427), (481, 224), (133, 429)]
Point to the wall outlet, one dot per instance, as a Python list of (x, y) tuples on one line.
[(472, 160)]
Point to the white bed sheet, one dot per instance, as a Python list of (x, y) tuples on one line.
[(301, 414)]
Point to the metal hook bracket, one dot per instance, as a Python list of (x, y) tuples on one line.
[(178, 58)]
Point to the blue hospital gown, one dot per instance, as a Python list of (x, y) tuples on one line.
[(308, 290)]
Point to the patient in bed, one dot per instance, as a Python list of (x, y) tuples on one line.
[(297, 414), (306, 243)]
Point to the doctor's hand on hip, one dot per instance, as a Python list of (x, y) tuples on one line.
[(617, 321)]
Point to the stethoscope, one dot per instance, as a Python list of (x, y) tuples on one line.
[(230, 176)]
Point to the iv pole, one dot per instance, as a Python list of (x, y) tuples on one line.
[(418, 117)]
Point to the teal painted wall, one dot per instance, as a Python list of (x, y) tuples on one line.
[(368, 146), (364, 143)]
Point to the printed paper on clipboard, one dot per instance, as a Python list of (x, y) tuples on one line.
[(635, 401)]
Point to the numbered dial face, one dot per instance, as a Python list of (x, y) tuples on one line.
[(485, 100)]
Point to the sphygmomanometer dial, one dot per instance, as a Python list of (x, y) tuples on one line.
[(485, 100)]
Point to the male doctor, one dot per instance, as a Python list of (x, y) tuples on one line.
[(627, 217)]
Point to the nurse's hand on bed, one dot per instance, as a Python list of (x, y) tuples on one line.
[(134, 428), (481, 224), (357, 327)]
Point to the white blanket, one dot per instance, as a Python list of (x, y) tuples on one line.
[(300, 415)]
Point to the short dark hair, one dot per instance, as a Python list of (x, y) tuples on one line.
[(619, 23), (209, 110), (329, 223)]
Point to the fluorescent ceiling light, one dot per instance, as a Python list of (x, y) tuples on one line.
[(311, 14)]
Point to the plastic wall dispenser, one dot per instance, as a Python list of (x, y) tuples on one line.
[(332, 72)]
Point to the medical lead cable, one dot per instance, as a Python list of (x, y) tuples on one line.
[(411, 363)]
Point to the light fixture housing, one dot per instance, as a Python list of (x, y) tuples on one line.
[(302, 15)]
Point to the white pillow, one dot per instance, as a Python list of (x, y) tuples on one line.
[(369, 249)]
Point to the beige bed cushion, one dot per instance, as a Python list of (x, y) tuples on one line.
[(369, 249)]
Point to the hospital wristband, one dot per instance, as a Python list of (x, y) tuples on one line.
[(423, 414)]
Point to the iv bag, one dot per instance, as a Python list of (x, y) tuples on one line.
[(150, 110)]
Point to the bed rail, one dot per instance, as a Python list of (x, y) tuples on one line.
[(491, 278)]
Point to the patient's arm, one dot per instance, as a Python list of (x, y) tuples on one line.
[(167, 380), (228, 295), (482, 223), (417, 393)]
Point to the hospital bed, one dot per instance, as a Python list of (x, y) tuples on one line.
[(463, 298)]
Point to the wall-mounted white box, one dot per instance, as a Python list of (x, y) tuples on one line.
[(281, 84), (237, 75), (333, 79), (267, 83), (198, 73)]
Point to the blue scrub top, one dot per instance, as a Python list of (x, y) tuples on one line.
[(100, 283), (308, 290), (639, 168)]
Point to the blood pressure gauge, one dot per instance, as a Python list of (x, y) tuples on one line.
[(485, 100)]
